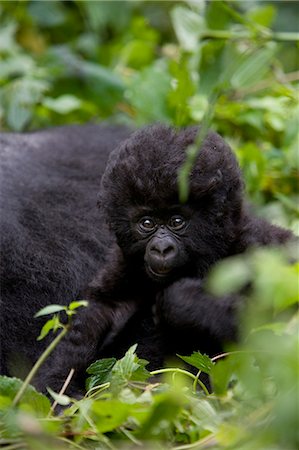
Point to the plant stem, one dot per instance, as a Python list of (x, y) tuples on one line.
[(193, 150), (224, 34), (184, 372), (37, 365), (63, 389)]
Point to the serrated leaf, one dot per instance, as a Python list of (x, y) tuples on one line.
[(50, 309), (33, 400), (100, 371), (141, 373), (128, 368), (200, 361), (126, 365)]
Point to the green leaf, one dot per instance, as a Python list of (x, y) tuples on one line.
[(188, 26), (148, 92), (198, 106), (229, 276), (128, 368), (50, 309), (221, 374), (18, 115), (141, 373), (19, 98), (63, 400), (280, 291), (138, 53), (63, 104), (277, 328), (252, 68), (32, 400), (7, 39), (78, 304), (125, 366), (52, 324), (47, 14), (162, 414), (16, 65), (109, 414), (99, 73), (263, 15), (287, 202), (101, 372), (200, 361)]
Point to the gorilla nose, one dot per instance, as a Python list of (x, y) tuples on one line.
[(161, 256), (163, 249)]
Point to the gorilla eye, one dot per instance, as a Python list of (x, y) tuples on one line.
[(176, 223), (147, 224)]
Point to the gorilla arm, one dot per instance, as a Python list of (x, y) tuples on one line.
[(93, 329), (189, 314)]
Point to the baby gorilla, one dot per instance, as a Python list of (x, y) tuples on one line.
[(161, 254)]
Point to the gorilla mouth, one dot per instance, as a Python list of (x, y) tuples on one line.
[(160, 273)]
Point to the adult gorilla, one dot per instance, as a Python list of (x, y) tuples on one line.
[(52, 240), (160, 250)]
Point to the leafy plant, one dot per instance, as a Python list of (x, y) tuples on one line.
[(253, 402), (223, 61), (231, 66)]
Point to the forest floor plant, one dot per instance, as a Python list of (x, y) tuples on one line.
[(253, 403)]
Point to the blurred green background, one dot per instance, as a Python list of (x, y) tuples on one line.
[(138, 62)]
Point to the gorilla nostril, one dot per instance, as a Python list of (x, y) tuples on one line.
[(163, 249), (168, 250)]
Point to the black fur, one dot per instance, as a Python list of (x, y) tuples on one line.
[(57, 239), (52, 240)]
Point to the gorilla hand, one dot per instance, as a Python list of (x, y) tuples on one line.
[(185, 306)]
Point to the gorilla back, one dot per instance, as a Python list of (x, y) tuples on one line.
[(51, 241)]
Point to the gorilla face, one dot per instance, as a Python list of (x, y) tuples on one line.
[(139, 199), (164, 249)]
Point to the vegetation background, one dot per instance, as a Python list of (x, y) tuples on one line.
[(234, 66)]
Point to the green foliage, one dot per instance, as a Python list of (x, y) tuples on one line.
[(117, 373), (32, 400), (66, 62), (232, 67), (254, 399), (54, 323), (201, 362)]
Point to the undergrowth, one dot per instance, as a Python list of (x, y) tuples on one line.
[(254, 398)]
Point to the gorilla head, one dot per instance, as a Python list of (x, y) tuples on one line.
[(139, 199)]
